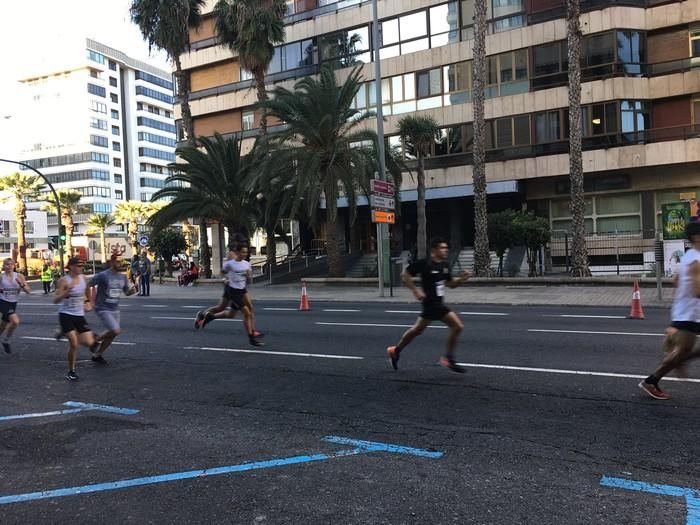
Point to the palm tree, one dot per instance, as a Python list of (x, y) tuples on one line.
[(98, 223), (419, 133), (579, 253), (482, 256), (70, 206), (21, 188), (132, 214), (213, 182), (324, 141), (251, 28)]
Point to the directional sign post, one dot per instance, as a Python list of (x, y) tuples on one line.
[(383, 217), (143, 240), (381, 202)]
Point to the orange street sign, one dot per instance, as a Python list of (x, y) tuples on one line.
[(386, 217)]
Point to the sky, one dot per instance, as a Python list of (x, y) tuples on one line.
[(38, 32)]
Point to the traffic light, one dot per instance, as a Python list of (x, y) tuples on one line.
[(62, 233)]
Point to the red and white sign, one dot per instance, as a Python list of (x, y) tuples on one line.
[(383, 187)]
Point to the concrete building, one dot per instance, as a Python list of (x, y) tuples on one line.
[(36, 231), (102, 125), (640, 96)]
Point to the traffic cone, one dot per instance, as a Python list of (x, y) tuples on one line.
[(304, 306), (636, 311)]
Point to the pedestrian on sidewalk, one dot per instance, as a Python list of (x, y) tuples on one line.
[(685, 317), (46, 278), (145, 275), (435, 276)]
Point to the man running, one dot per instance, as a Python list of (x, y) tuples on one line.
[(110, 285), (11, 283), (73, 294), (239, 273), (685, 317), (435, 276)]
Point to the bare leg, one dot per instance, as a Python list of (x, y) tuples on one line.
[(218, 308), (684, 343), (72, 337), (105, 340), (417, 329), (456, 326)]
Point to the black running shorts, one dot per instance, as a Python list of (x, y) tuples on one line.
[(235, 297), (6, 310), (434, 311), (687, 326), (73, 323)]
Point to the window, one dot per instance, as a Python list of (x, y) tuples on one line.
[(598, 119), (117, 163), (634, 119), (102, 207), (345, 48), (97, 140), (114, 98), (146, 197), (695, 110), (115, 114), (152, 93), (597, 55), (119, 195), (156, 139), (548, 126), (147, 182), (112, 65), (113, 81), (94, 73), (507, 74), (432, 27), (94, 191), (115, 130), (296, 55), (167, 84), (96, 57), (157, 154), (98, 123), (72, 176), (143, 121), (429, 88), (550, 65), (118, 179), (443, 24), (457, 83), (503, 15), (695, 42), (139, 106), (631, 51), (29, 227), (561, 215), (617, 212), (116, 146), (168, 114), (98, 107), (96, 90), (248, 120), (153, 110)]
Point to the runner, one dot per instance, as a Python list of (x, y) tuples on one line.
[(110, 284), (11, 283), (72, 292), (435, 276), (239, 274), (685, 317)]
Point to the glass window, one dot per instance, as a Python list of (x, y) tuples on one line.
[(423, 79), (114, 98), (631, 51), (276, 63), (413, 26), (619, 224), (505, 67), (117, 163), (520, 59), (560, 207), (435, 81), (455, 139), (521, 130), (611, 118), (397, 89), (112, 65), (292, 56), (414, 46), (361, 97), (115, 130), (112, 81), (386, 91), (248, 120), (598, 49), (345, 48), (443, 24), (119, 195), (308, 49), (115, 114), (504, 132), (389, 32), (505, 7), (116, 146), (618, 204), (547, 59), (441, 146), (409, 86), (597, 119), (695, 42), (466, 10), (547, 126)]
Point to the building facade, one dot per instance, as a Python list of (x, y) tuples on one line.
[(640, 97), (35, 229), (104, 127)]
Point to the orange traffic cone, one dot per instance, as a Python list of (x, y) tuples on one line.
[(636, 311), (304, 306)]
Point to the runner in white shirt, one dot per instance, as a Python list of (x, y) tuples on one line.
[(685, 316), (11, 284)]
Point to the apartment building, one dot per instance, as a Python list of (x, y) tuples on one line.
[(640, 96), (104, 127)]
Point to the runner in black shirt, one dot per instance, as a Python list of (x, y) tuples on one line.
[(435, 277)]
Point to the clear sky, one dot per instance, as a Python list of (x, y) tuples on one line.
[(36, 33)]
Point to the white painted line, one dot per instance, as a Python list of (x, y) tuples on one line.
[(340, 310), (377, 325), (594, 333), (575, 316), (416, 312), (281, 309), (500, 314), (54, 339), (192, 319), (193, 307), (272, 352), (154, 305), (572, 372), (25, 314)]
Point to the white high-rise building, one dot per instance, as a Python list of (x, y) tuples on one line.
[(102, 125)]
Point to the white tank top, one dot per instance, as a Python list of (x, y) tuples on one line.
[(74, 304), (10, 288), (686, 306)]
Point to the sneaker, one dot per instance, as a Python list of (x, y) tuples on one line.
[(72, 376), (7, 348), (208, 318), (254, 342), (94, 347), (99, 360), (198, 320), (451, 365), (654, 391), (393, 356), (258, 334)]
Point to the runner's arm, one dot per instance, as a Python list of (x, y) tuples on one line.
[(23, 284), (459, 281), (407, 279), (695, 277), (62, 291)]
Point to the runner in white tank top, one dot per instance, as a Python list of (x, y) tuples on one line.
[(685, 316), (11, 284), (72, 294)]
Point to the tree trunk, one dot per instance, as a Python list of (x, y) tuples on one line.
[(21, 217), (134, 234), (579, 254), (67, 221), (103, 246), (421, 235), (335, 257), (482, 256), (183, 88), (204, 254), (271, 245), (259, 75), (187, 233)]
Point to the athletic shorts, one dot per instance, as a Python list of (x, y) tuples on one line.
[(6, 310), (235, 297), (434, 311), (110, 319), (71, 323), (687, 326)]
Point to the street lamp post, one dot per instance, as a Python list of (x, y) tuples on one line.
[(58, 205)]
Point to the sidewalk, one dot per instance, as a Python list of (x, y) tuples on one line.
[(520, 294)]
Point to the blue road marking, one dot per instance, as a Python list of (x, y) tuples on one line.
[(692, 496), (364, 447), (75, 408)]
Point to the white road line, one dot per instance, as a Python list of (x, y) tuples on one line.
[(26, 314), (594, 333), (54, 339), (576, 316), (501, 314), (272, 352), (377, 325), (571, 372), (193, 307), (271, 309), (154, 305), (192, 319), (413, 312), (340, 310)]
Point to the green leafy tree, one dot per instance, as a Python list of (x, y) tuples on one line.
[(418, 135), (70, 207), (534, 233), (167, 243), (19, 189), (503, 234), (98, 223), (323, 141), (133, 214), (251, 29)]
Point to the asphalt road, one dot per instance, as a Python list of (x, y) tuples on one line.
[(547, 426)]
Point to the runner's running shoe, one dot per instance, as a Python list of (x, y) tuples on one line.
[(198, 320), (258, 334), (451, 365), (254, 342), (7, 348), (72, 376), (654, 391), (99, 360), (393, 356), (208, 318)]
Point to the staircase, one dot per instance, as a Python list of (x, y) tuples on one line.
[(465, 261), (366, 266)]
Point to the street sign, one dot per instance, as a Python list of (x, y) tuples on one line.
[(383, 203), (386, 217), (92, 245), (143, 240), (382, 186)]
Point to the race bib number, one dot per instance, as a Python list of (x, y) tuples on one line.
[(76, 301), (440, 289), (114, 293), (11, 294)]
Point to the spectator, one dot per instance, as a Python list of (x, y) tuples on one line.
[(47, 278), (145, 275)]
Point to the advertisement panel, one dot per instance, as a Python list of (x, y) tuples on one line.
[(674, 217)]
